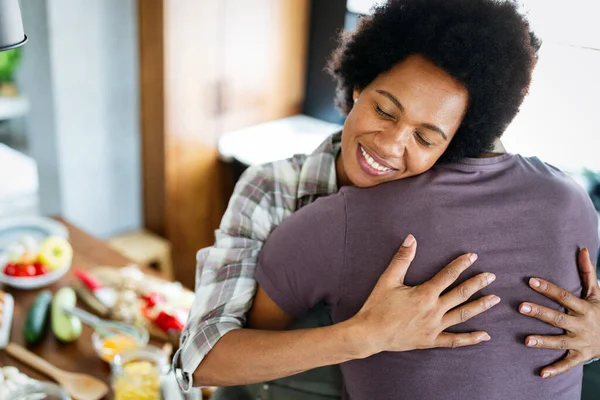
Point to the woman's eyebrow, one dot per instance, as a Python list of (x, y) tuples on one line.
[(392, 98), (397, 103), (435, 129)]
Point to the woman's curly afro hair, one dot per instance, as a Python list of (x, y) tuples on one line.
[(484, 44)]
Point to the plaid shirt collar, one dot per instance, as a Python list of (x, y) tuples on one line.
[(318, 174)]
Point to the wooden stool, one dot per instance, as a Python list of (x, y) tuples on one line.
[(145, 248)]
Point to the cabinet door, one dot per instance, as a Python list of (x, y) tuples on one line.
[(208, 67), (263, 60)]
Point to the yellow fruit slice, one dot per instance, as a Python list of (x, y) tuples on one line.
[(55, 253)]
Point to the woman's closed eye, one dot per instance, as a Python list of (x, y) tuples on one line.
[(383, 113), (422, 140)]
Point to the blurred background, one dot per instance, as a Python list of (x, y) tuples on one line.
[(133, 119)]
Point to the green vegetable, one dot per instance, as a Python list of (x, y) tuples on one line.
[(9, 61), (37, 318), (65, 327)]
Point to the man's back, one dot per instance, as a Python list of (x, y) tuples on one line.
[(520, 216)]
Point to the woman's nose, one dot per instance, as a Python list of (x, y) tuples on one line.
[(394, 142)]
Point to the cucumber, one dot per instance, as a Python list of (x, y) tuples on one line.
[(65, 327), (37, 318)]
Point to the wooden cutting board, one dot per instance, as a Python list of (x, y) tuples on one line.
[(125, 286)]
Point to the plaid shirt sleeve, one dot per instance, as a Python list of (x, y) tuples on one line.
[(225, 283)]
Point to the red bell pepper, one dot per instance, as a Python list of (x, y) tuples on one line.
[(167, 322), (153, 299)]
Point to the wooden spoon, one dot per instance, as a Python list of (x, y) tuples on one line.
[(79, 386)]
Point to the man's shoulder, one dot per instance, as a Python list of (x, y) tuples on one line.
[(550, 179)]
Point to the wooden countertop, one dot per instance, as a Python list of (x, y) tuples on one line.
[(79, 356)]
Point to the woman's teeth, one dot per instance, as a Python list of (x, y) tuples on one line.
[(372, 162)]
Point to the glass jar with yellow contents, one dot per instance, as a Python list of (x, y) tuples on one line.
[(137, 374)]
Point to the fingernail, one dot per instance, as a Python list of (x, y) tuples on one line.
[(473, 257), (546, 375), (486, 338), (534, 282), (526, 308), (531, 342), (491, 278), (410, 239), (494, 300)]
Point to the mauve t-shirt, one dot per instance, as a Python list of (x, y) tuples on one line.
[(522, 217)]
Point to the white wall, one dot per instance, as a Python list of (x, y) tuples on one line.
[(558, 120), (93, 66), (35, 80)]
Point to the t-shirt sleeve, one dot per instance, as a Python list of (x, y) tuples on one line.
[(301, 263)]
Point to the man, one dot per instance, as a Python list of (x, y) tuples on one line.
[(520, 216)]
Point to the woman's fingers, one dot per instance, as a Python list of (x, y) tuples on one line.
[(396, 270), (560, 342), (588, 274), (558, 294), (450, 273), (470, 310), (454, 340), (569, 362), (548, 315), (465, 290)]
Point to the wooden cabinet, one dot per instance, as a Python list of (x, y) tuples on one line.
[(208, 67)]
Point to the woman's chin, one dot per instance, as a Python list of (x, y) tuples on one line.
[(364, 180)]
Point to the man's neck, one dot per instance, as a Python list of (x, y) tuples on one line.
[(496, 151)]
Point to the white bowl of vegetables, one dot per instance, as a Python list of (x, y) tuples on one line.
[(32, 265)]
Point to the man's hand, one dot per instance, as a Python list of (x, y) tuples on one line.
[(581, 322), (397, 317)]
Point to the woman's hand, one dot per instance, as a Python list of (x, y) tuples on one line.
[(397, 317), (581, 322)]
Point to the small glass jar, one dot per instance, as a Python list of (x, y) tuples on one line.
[(138, 374), (39, 391)]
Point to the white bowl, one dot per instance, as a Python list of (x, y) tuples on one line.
[(11, 229), (31, 282)]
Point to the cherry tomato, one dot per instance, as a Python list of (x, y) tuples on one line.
[(26, 270), (29, 270), (20, 270), (40, 269), (11, 269)]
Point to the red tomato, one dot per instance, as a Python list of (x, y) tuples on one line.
[(40, 269), (20, 270), (11, 269), (25, 270), (29, 270)]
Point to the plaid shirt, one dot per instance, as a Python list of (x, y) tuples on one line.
[(225, 286)]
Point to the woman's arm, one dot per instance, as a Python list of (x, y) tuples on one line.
[(581, 322), (394, 318), (225, 283)]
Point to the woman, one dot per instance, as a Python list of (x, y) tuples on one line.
[(422, 82)]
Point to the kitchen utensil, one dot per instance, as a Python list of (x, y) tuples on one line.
[(105, 327), (79, 386), (106, 295)]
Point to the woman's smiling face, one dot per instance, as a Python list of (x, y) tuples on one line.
[(401, 123)]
